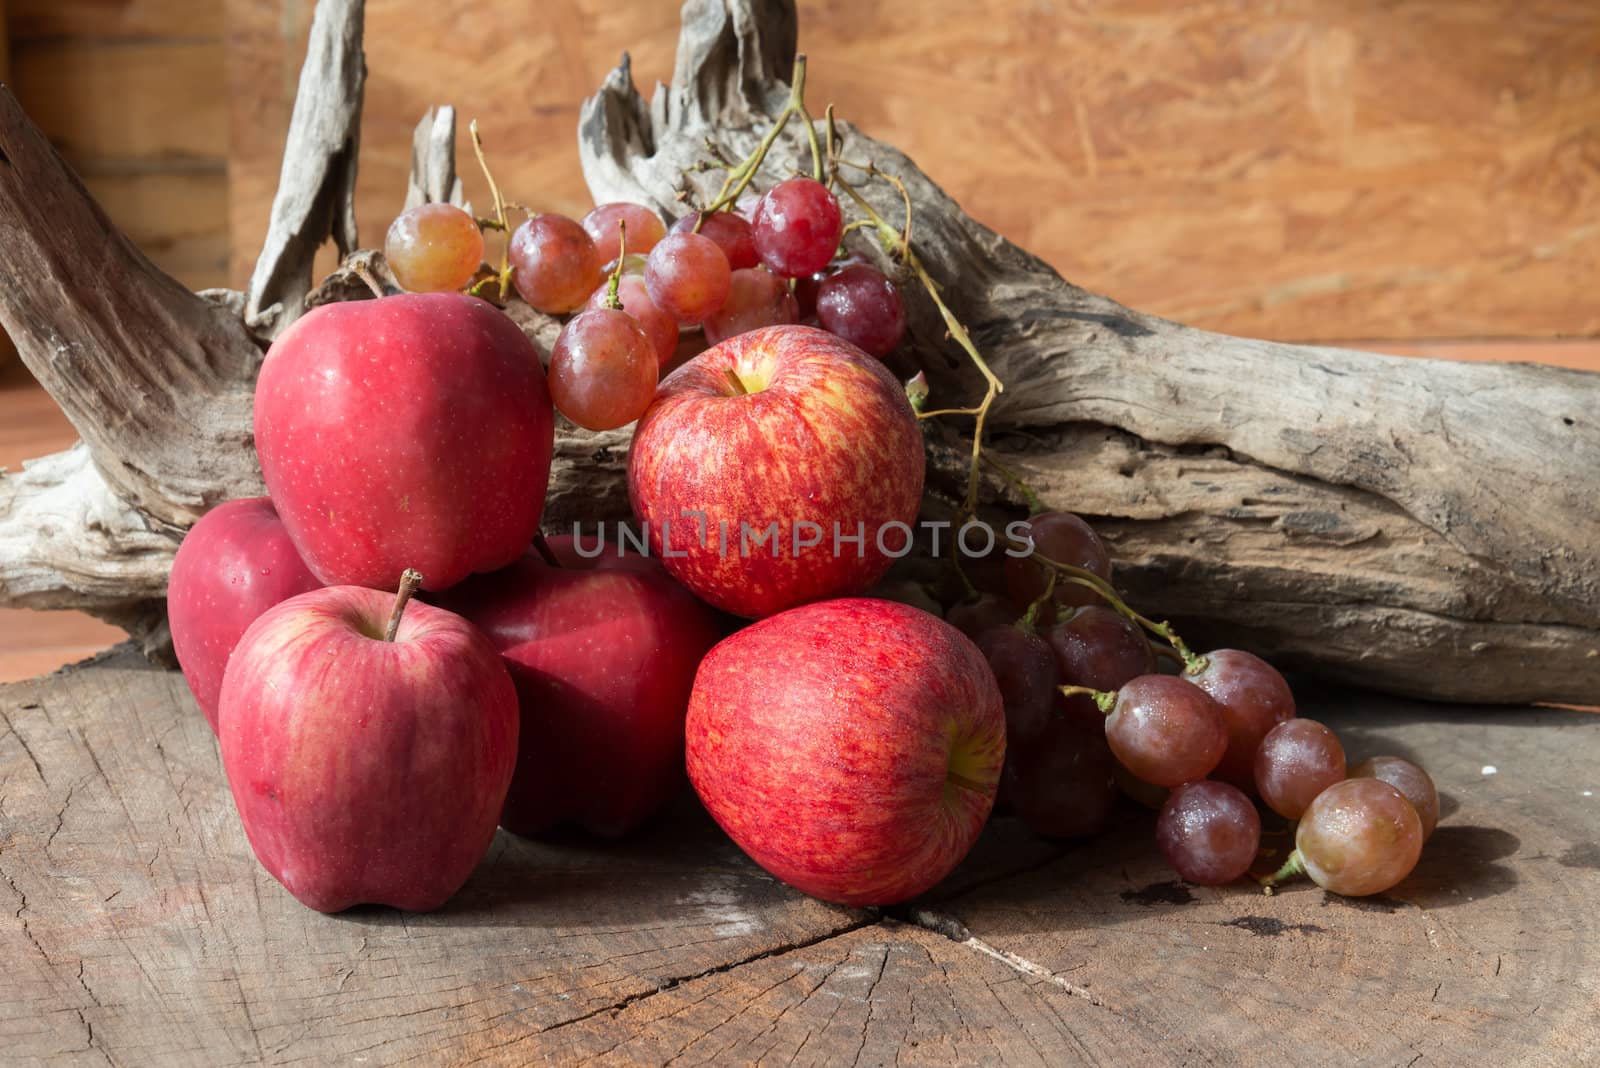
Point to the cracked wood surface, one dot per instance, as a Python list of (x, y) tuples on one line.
[(136, 927)]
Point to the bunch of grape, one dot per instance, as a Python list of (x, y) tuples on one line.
[(720, 271), (1088, 710)]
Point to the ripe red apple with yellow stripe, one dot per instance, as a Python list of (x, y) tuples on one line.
[(773, 468), (852, 748)]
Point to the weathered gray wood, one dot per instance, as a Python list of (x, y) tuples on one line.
[(154, 379), (136, 927), (433, 178), (1423, 526), (316, 188)]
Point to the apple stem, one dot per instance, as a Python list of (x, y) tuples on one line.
[(547, 554), (410, 579), (736, 382)]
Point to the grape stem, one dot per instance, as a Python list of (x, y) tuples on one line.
[(1193, 664), (1104, 700), (1295, 865), (1036, 506), (740, 176), (895, 241), (499, 212), (1030, 618), (613, 301), (410, 579)]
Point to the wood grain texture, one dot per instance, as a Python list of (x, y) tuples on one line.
[(1300, 170), (136, 927), (127, 90)]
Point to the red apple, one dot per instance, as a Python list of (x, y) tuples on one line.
[(851, 747), (367, 769), (234, 564), (412, 431), (603, 659), (762, 455)]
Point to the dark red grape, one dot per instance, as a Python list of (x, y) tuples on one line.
[(1410, 780), (1254, 699), (973, 617), (1165, 730), (1296, 761), (1062, 783), (1359, 837), (1026, 670), (556, 263), (1099, 648), (645, 228), (1066, 539), (659, 327), (861, 305), (756, 298), (687, 277), (797, 227), (433, 248), (602, 369), (732, 234), (1209, 832)]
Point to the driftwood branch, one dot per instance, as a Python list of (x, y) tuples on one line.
[(433, 161), (316, 187), (1425, 527)]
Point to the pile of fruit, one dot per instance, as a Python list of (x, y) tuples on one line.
[(853, 746)]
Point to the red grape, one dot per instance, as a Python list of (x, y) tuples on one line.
[(1209, 832), (797, 227), (556, 263), (645, 228), (433, 248), (1066, 539), (732, 234), (1254, 699), (973, 617), (861, 305), (756, 298), (687, 277), (1063, 783), (1359, 837), (602, 369), (1100, 648), (1026, 670), (1410, 780), (659, 327), (1296, 761), (1165, 730)]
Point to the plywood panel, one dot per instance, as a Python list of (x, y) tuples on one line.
[(153, 101), (1307, 169), (115, 18), (178, 218)]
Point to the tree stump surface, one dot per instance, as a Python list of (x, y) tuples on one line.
[(137, 928)]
